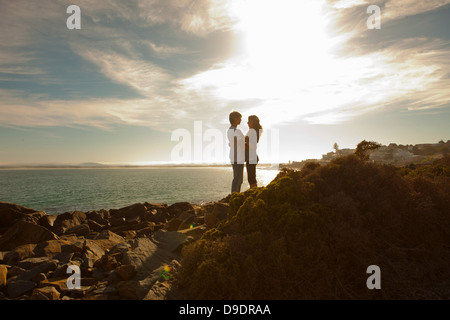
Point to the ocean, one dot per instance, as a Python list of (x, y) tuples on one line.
[(56, 191)]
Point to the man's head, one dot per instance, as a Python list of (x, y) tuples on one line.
[(235, 118)]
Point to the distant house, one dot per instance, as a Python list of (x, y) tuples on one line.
[(400, 153), (329, 156), (346, 152)]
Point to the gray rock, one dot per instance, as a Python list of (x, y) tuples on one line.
[(169, 240), (64, 257), (146, 256), (109, 235), (187, 223), (95, 226), (17, 288), (47, 221), (30, 263), (99, 217), (70, 219), (39, 277), (135, 210), (107, 290), (41, 268), (25, 233), (89, 259), (79, 230), (19, 253), (173, 224), (15, 271), (39, 296), (11, 213), (116, 221), (94, 247), (146, 232), (158, 286), (177, 208), (159, 291), (155, 215)]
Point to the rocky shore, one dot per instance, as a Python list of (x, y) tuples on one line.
[(130, 253)]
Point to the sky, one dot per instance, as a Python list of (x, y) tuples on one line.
[(143, 79)]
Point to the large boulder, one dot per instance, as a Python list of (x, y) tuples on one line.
[(169, 240), (17, 288), (31, 263), (146, 256), (68, 220), (47, 221), (106, 240), (101, 217), (52, 248), (162, 285), (144, 262), (139, 212), (29, 275), (45, 293), (19, 253), (183, 216), (178, 208), (134, 227), (11, 213), (79, 230), (25, 233)]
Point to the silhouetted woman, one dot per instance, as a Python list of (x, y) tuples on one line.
[(251, 145)]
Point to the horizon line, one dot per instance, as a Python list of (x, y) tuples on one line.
[(118, 165)]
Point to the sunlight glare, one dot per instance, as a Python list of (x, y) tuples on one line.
[(287, 63), (283, 39)]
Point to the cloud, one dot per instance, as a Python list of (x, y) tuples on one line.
[(144, 45), (344, 4), (340, 88), (129, 43), (348, 18), (397, 9), (145, 77), (26, 24), (199, 17), (18, 63), (392, 9), (32, 111)]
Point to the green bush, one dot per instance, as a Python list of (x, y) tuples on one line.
[(311, 234)]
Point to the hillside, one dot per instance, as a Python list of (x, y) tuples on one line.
[(312, 234), (394, 154)]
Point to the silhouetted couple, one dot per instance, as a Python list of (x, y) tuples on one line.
[(243, 149)]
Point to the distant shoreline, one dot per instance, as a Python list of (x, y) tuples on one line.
[(124, 166)]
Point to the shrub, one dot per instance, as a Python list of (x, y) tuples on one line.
[(364, 146), (311, 234)]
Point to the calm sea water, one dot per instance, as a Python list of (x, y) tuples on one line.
[(60, 190)]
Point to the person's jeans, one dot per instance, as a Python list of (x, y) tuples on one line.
[(251, 173), (238, 177)]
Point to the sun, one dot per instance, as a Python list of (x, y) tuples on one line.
[(287, 55)]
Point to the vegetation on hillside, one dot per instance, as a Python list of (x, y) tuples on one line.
[(311, 234), (364, 147)]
